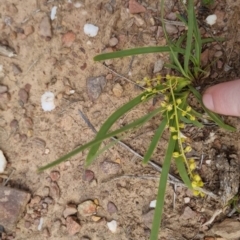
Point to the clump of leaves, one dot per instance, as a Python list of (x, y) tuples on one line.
[(185, 61)]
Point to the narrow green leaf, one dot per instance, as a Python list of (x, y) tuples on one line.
[(162, 189), (212, 115), (210, 40), (183, 172), (155, 140), (135, 123), (112, 119), (189, 36), (188, 121), (133, 51)]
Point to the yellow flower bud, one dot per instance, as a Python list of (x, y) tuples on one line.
[(200, 184), (172, 129), (191, 160), (149, 89), (192, 166), (166, 98), (192, 118), (176, 154), (188, 149), (188, 109), (178, 101), (169, 107), (184, 114), (196, 178), (196, 193), (175, 137), (143, 98), (181, 125), (163, 104), (194, 184)]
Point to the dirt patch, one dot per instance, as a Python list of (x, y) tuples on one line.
[(55, 55)]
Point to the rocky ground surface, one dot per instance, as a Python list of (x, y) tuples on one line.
[(45, 46)]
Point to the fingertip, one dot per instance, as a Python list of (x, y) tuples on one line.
[(208, 101)]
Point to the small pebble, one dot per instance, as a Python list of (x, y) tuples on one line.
[(112, 226), (109, 167), (96, 218), (72, 226), (87, 208), (90, 30), (68, 39), (88, 175), (14, 125), (54, 175), (69, 210), (16, 69), (53, 12), (187, 200), (45, 28), (54, 190), (171, 29), (3, 162), (28, 30), (12, 9), (158, 66), (117, 90), (111, 207), (135, 7), (188, 213), (153, 204), (113, 42), (46, 191), (211, 19), (218, 54), (23, 95), (3, 89), (35, 200), (46, 233), (95, 86), (47, 101)]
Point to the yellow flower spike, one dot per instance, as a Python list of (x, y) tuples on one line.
[(192, 166), (181, 125), (196, 193), (178, 101), (196, 178), (169, 107), (192, 118), (176, 154), (194, 184), (188, 109), (172, 129), (188, 149), (175, 137)]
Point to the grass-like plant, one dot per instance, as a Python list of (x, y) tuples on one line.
[(185, 62)]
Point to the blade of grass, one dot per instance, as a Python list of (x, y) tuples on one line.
[(212, 115), (189, 35), (135, 123), (162, 189), (133, 51), (155, 140)]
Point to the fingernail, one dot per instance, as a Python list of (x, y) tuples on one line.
[(208, 101)]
